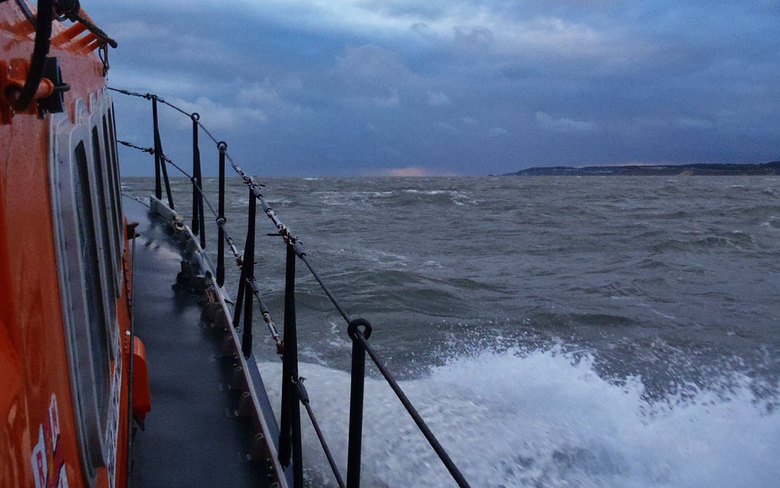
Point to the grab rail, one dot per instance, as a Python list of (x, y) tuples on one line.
[(359, 330)]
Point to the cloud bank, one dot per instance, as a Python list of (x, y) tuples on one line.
[(349, 87)]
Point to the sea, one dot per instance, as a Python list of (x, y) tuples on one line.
[(552, 331)]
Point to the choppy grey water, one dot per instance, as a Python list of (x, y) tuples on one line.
[(555, 331)]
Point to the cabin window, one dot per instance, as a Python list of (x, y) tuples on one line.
[(99, 344), (115, 163), (113, 201), (90, 347), (105, 218)]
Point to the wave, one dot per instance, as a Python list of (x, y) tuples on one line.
[(393, 198), (546, 418), (736, 239)]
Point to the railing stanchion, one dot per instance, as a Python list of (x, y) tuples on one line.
[(159, 160), (157, 152), (290, 428), (198, 217), (239, 296), (356, 400), (168, 192), (304, 397), (457, 476), (249, 276), (221, 217)]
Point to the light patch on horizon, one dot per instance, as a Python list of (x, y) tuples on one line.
[(564, 124), (411, 171)]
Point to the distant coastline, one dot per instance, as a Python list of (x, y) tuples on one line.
[(709, 169)]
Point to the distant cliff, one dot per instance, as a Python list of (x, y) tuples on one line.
[(772, 168)]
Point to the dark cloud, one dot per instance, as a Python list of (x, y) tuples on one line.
[(479, 38), (470, 86)]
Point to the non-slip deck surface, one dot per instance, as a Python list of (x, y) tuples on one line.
[(191, 437)]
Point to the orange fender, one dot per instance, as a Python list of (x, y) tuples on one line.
[(142, 403)]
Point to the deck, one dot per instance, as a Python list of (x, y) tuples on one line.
[(193, 436)]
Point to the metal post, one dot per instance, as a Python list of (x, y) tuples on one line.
[(239, 296), (424, 429), (157, 151), (168, 192), (356, 401), (304, 396), (290, 428), (159, 158), (249, 275), (222, 146), (198, 218)]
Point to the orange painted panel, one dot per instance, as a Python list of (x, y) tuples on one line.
[(142, 402)]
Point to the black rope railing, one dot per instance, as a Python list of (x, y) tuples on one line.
[(304, 397), (359, 330)]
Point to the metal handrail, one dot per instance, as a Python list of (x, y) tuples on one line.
[(359, 330)]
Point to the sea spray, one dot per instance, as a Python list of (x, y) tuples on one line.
[(545, 418)]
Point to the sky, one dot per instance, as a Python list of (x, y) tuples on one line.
[(455, 87)]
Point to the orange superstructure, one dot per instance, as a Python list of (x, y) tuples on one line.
[(65, 326)]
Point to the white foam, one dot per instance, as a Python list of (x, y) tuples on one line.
[(543, 419)]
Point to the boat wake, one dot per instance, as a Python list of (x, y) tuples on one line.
[(545, 418)]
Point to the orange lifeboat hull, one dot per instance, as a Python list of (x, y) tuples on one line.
[(41, 443)]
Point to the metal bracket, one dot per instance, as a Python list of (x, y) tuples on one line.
[(49, 95), (54, 103)]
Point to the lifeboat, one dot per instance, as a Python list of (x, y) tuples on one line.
[(65, 300), (122, 358), (74, 388)]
